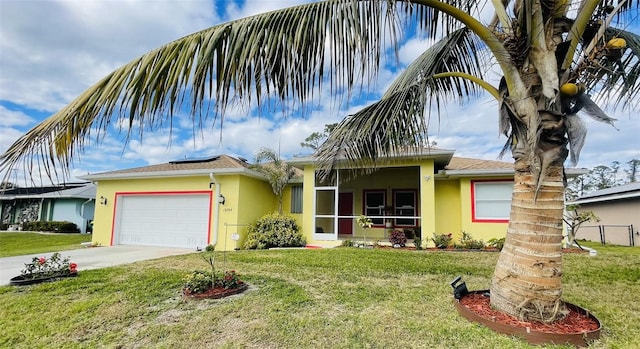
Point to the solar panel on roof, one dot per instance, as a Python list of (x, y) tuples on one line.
[(194, 160)]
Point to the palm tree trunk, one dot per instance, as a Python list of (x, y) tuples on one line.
[(527, 279)]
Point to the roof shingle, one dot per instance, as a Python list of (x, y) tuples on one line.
[(216, 162)]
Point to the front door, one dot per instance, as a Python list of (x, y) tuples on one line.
[(345, 208)]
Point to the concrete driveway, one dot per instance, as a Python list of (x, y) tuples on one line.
[(92, 258)]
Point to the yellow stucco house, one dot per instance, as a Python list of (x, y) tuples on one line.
[(196, 202)]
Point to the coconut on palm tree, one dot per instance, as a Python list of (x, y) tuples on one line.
[(551, 55)]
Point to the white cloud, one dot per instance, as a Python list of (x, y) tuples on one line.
[(412, 49), (13, 117), (52, 50)]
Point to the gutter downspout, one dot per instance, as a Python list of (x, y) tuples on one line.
[(216, 208)]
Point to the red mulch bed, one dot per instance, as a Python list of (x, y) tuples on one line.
[(216, 292), (573, 323)]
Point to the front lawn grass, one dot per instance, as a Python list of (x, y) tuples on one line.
[(320, 298), (17, 244)]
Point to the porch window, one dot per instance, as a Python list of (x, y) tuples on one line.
[(491, 200), (374, 201), (296, 199), (404, 204)]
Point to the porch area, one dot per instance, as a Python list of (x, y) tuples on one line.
[(393, 198)]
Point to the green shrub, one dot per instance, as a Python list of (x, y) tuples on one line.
[(441, 240), (496, 243), (274, 230), (409, 233), (52, 226), (469, 243), (4, 226), (347, 243), (418, 242), (198, 281), (68, 227), (210, 248)]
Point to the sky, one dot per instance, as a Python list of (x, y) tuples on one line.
[(52, 50)]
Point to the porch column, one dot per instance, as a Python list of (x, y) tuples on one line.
[(308, 207), (427, 200)]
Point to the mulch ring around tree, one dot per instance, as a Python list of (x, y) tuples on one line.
[(577, 327), (216, 292)]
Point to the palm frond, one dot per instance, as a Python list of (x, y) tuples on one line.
[(278, 57), (588, 107), (576, 132), (397, 122), (616, 78), (456, 52)]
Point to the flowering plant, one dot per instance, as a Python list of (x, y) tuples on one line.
[(397, 238), (230, 280), (41, 267)]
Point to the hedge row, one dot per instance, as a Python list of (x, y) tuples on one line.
[(54, 226)]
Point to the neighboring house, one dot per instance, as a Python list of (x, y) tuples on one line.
[(193, 203), (619, 211), (72, 202)]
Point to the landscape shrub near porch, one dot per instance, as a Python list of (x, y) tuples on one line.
[(274, 230), (442, 240), (467, 242), (397, 238)]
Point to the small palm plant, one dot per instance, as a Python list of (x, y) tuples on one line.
[(365, 223)]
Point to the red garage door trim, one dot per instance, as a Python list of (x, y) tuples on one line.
[(150, 193)]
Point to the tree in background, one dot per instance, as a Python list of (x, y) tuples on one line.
[(317, 138), (632, 170), (278, 172), (601, 177), (551, 55)]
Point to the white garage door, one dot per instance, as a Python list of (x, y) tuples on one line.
[(163, 220)]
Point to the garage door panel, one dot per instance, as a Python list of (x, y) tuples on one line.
[(164, 220)]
